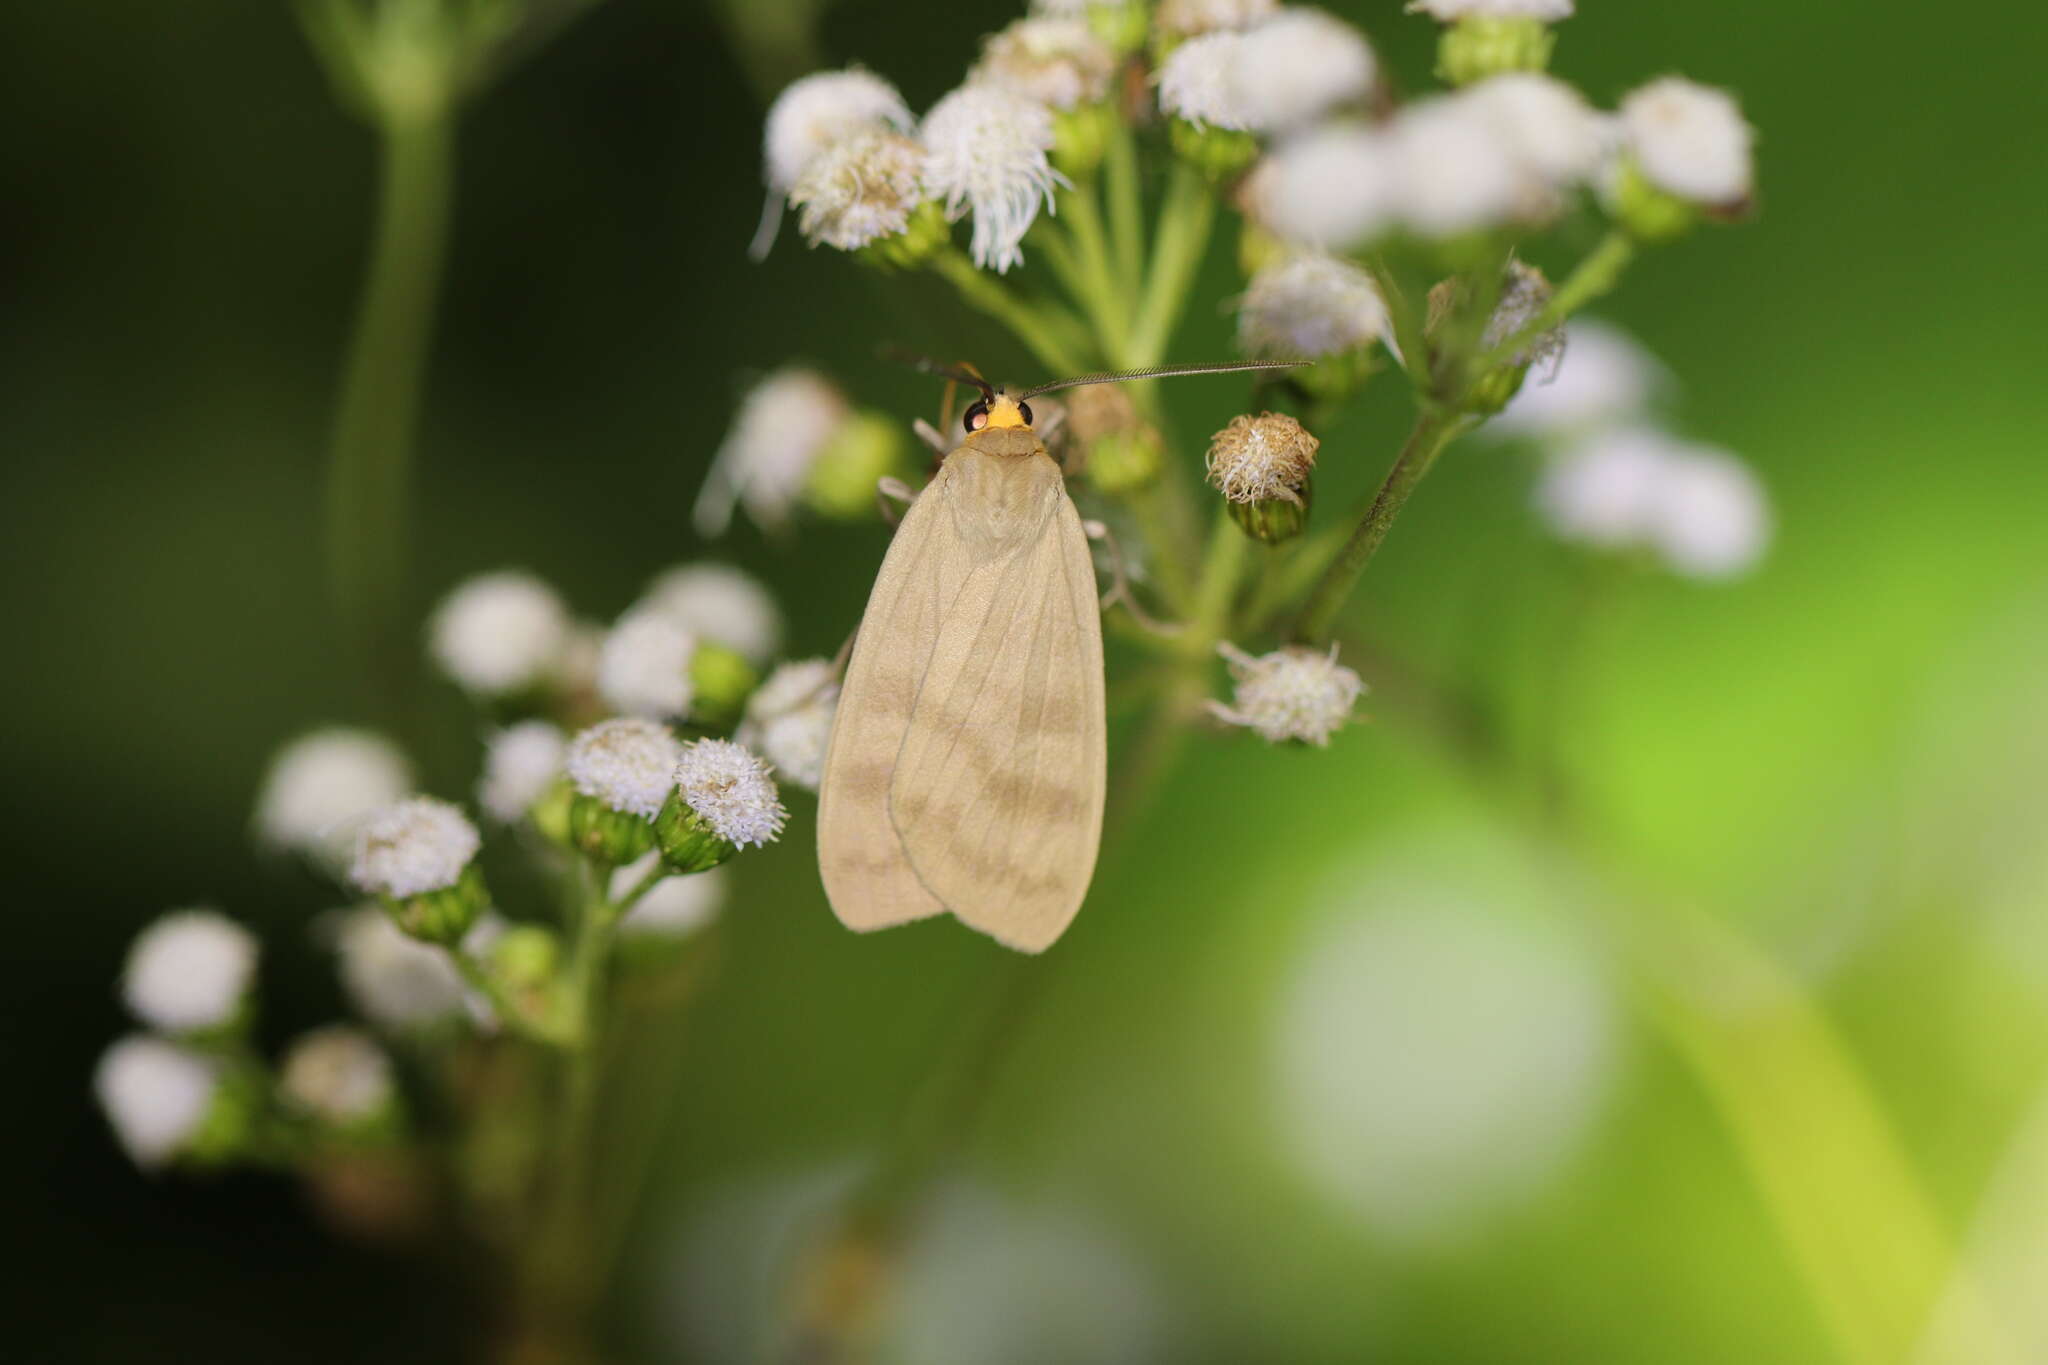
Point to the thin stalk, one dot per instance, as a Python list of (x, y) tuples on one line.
[(1108, 305), (1434, 429), (369, 472), (1035, 325), (1126, 209), (1178, 248)]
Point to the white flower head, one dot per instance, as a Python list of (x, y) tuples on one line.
[(812, 114), (731, 792), (338, 1073), (155, 1094), (519, 764), (1329, 189), (1457, 173), (1281, 74), (321, 785), (988, 151), (1712, 519), (498, 632), (644, 668), (1450, 11), (393, 979), (1262, 459), (1605, 378), (1690, 140), (789, 719), (720, 603), (1559, 139), (189, 969), (628, 764), (1199, 82), (1307, 306), (862, 188), (418, 845), (784, 424), (675, 906), (1192, 18), (1292, 693), (1057, 61), (1700, 509)]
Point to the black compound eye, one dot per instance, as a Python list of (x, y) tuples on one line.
[(1024, 411), (977, 415)]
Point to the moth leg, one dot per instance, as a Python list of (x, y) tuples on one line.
[(889, 490), (1120, 582), (929, 434)]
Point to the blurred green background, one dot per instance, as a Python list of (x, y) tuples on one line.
[(1840, 756)]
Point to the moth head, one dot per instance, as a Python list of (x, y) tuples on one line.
[(997, 409)]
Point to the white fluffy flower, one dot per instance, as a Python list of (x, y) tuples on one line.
[(338, 1073), (675, 905), (1698, 508), (628, 764), (644, 668), (519, 763), (1261, 459), (789, 719), (859, 190), (1604, 378), (418, 845), (1602, 493), (321, 785), (498, 632), (1307, 306), (1292, 693), (731, 791), (155, 1093), (1712, 519), (394, 980), (189, 969), (1558, 138), (1450, 11), (1053, 60), (1328, 189), (1294, 67), (812, 114), (720, 603), (1192, 18), (1457, 173), (784, 424), (988, 151), (1690, 140)]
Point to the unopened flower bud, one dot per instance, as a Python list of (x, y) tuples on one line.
[(622, 770), (867, 448), (1293, 693), (1262, 465), (189, 972), (720, 680), (340, 1076), (418, 858), (1480, 46), (723, 800)]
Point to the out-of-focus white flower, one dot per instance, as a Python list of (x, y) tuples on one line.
[(418, 845), (155, 1094), (988, 151), (519, 763), (1457, 173), (338, 1073), (1604, 378), (1292, 693), (189, 969), (1700, 509), (498, 632), (1331, 188), (1057, 61), (1309, 305), (722, 604), (1292, 68), (675, 906), (644, 668), (1450, 11), (394, 980), (860, 189), (1263, 458), (1442, 1047), (812, 114), (1192, 18), (784, 424), (321, 785), (789, 719), (1690, 140), (1558, 138), (731, 792), (628, 764)]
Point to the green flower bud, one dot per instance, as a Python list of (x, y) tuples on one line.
[(525, 956), (841, 482), (720, 680), (1479, 46), (605, 835), (1124, 461), (1079, 136), (923, 233), (1258, 249), (443, 915), (723, 800), (687, 841), (1648, 213), (550, 814), (1218, 153), (1120, 26), (1272, 521)]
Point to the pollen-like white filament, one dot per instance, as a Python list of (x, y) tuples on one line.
[(987, 148), (731, 791)]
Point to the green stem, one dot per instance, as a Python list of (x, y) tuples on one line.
[(1182, 241), (1126, 209), (1434, 429), (369, 465), (1409, 335), (1106, 303), (1598, 273), (1036, 326)]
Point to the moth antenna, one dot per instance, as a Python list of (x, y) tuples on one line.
[(959, 374), (1162, 372)]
